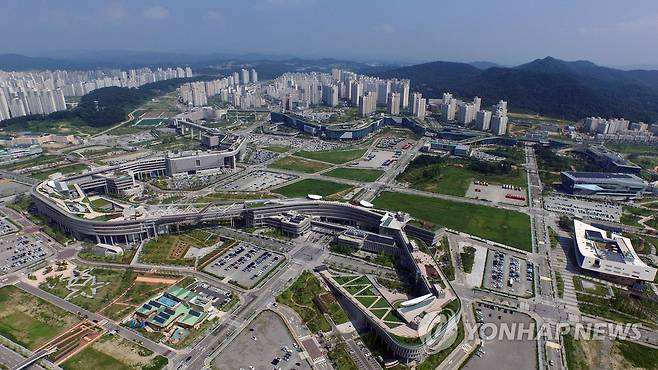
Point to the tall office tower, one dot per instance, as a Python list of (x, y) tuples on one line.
[(448, 111), (466, 113), (244, 76), (502, 107), (393, 103), (236, 78), (16, 107), (188, 72), (499, 123), (447, 98), (383, 88), (483, 120), (368, 104), (414, 102), (336, 74), (477, 102), (254, 75), (357, 91), (4, 106)]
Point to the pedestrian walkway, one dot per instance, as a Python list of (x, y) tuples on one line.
[(560, 262)]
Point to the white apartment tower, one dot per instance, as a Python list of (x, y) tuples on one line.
[(499, 123), (483, 120), (393, 103)]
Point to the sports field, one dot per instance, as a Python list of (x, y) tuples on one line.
[(299, 165), (356, 174), (500, 225), (333, 156), (30, 321), (310, 186)]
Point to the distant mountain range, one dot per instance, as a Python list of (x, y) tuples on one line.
[(549, 86)]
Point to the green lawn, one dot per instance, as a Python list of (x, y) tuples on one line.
[(90, 358), (109, 353), (73, 168), (119, 281), (341, 359), (453, 178), (299, 296), (276, 148), (333, 156), (638, 355), (170, 249), (30, 321), (299, 165), (356, 174), (310, 186), (500, 225)]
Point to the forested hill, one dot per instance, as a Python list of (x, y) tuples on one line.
[(549, 86)]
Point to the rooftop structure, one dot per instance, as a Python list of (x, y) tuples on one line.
[(603, 184), (608, 253), (611, 161)]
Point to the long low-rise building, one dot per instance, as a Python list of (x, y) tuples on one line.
[(603, 184), (608, 253), (344, 131)]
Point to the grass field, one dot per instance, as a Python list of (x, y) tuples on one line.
[(30, 321), (500, 225), (110, 353), (72, 168), (170, 249), (333, 156), (341, 359), (223, 196), (277, 148), (299, 296), (356, 174), (310, 186), (119, 282), (299, 165), (454, 178)]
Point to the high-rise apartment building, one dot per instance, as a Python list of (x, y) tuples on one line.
[(393, 103)]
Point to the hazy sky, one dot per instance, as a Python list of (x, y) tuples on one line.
[(504, 31)]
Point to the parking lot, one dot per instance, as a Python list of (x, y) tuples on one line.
[(377, 158), (503, 352), (262, 156), (244, 264), (257, 181), (7, 227), (18, 251), (497, 193), (507, 273), (265, 344)]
